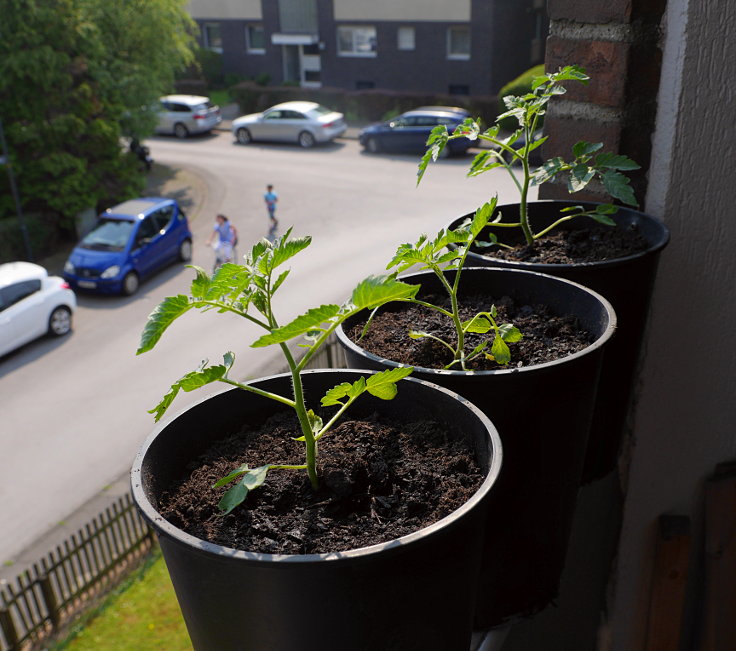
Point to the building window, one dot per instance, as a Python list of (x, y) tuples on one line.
[(458, 43), (356, 41), (211, 36), (405, 38), (255, 39)]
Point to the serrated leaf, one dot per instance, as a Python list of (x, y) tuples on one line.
[(194, 380), (161, 318), (377, 290), (279, 281), (311, 320), (288, 249), (383, 385), (200, 284), (336, 394), (616, 161), (617, 185), (582, 148), (580, 176)]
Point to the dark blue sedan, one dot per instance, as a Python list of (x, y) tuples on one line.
[(128, 242), (409, 131)]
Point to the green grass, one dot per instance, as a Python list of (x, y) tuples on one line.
[(140, 615)]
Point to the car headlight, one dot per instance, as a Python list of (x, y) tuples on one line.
[(111, 272), (69, 267)]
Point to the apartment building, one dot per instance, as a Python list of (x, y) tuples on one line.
[(463, 47)]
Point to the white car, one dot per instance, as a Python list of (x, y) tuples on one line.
[(32, 304), (305, 123), (183, 115)]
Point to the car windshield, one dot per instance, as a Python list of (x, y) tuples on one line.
[(108, 235)]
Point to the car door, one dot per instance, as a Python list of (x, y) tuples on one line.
[(146, 252), (165, 123), (22, 314), (269, 126), (167, 240), (419, 131)]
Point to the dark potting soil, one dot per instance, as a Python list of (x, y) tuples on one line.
[(591, 243), (378, 482), (546, 336)]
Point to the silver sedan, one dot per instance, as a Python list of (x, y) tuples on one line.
[(305, 123)]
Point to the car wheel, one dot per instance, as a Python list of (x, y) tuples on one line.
[(130, 283), (372, 146), (60, 321), (243, 136), (180, 130), (185, 251), (306, 139)]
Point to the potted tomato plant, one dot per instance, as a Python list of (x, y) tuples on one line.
[(256, 492), (612, 249), (524, 347)]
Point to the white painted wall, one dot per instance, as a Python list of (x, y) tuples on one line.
[(243, 9), (686, 419), (430, 10)]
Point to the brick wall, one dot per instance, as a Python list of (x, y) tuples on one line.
[(617, 42)]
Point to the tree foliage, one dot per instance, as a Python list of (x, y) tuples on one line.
[(76, 76)]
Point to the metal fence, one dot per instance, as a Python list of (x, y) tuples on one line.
[(59, 587)]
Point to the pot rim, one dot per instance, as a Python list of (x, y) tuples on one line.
[(658, 245), (348, 556), (593, 347)]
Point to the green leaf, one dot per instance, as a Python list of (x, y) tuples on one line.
[(383, 384), (252, 479), (603, 219), (418, 334), (617, 185), (378, 290), (500, 351), (580, 176), (478, 325), (315, 422), (194, 380), (288, 249), (311, 320), (548, 170), (335, 395), (581, 148), (509, 333), (616, 162), (161, 318)]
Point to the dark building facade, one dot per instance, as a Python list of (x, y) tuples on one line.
[(463, 47)]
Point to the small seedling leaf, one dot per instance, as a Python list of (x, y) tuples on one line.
[(251, 479), (377, 290), (383, 384), (478, 325), (336, 394), (500, 351)]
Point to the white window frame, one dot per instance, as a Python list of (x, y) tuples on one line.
[(206, 36), (249, 48), (457, 55), (406, 38), (356, 50)]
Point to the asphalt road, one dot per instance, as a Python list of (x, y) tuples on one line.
[(74, 411)]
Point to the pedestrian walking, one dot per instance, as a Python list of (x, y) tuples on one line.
[(225, 234), (270, 197)]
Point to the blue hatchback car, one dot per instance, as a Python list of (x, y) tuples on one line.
[(129, 241)]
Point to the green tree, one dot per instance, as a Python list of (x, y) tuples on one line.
[(76, 76)]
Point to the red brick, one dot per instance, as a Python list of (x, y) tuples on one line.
[(564, 132), (605, 62), (585, 11)]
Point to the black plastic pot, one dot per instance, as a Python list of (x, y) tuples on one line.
[(416, 592), (627, 283), (543, 415)]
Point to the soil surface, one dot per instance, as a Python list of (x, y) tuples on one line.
[(592, 243), (546, 336), (379, 482)]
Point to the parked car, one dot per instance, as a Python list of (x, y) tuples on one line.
[(409, 131), (183, 115), (129, 242), (305, 123), (32, 304)]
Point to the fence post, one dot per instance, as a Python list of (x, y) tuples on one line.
[(49, 598), (8, 628)]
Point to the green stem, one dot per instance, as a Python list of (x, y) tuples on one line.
[(260, 392)]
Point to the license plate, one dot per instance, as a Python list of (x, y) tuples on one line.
[(86, 284)]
